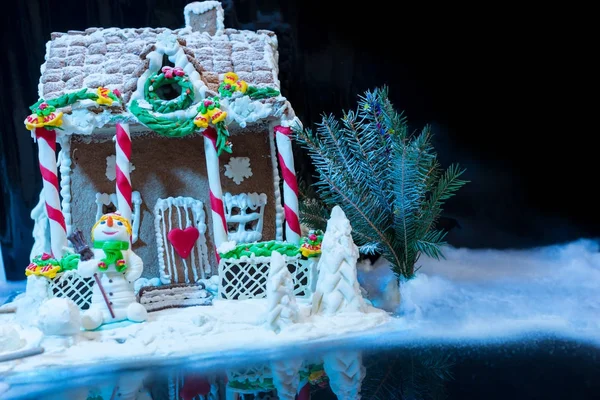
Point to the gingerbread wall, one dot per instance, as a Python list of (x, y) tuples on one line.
[(167, 167)]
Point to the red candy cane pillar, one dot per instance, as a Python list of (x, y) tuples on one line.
[(46, 140), (304, 393), (290, 185), (214, 183), (122, 169)]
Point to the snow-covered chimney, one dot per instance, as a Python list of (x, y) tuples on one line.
[(204, 16)]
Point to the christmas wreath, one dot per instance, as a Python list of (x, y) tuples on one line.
[(169, 76)]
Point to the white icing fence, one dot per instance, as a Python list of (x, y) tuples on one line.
[(72, 286), (246, 277), (239, 279), (259, 377)]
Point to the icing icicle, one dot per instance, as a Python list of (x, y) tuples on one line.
[(65, 179)]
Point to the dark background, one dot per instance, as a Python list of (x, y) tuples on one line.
[(507, 89)]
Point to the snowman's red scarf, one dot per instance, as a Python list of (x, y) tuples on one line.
[(114, 255)]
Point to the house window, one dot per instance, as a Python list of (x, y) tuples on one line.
[(244, 214), (107, 203)]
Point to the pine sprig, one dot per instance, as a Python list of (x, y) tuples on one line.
[(313, 214), (389, 182)]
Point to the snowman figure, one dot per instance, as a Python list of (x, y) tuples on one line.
[(115, 267)]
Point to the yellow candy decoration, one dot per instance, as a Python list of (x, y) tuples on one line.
[(201, 121), (218, 116), (243, 86), (52, 120), (32, 269), (231, 78), (103, 96), (49, 271)]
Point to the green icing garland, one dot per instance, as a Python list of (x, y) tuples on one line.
[(261, 93), (162, 125), (175, 128), (183, 101), (262, 249), (63, 101), (264, 385), (222, 143)]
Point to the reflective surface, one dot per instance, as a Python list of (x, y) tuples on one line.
[(537, 368)]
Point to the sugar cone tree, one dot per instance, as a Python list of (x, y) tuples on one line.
[(337, 286), (282, 307)]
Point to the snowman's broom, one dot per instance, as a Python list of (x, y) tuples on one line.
[(81, 247)]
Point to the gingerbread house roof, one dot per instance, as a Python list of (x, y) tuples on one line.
[(115, 58), (123, 59)]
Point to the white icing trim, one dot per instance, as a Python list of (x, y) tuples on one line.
[(43, 69), (167, 45), (276, 179), (291, 121), (64, 164), (104, 199), (244, 110), (200, 259), (200, 7), (252, 208), (41, 229), (136, 199), (81, 121), (271, 56)]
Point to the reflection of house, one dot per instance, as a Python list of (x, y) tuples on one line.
[(171, 178)]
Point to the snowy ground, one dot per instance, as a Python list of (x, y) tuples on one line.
[(489, 295), (474, 296), (226, 326)]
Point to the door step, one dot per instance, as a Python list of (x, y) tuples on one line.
[(178, 295)]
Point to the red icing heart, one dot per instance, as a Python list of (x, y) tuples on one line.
[(183, 240)]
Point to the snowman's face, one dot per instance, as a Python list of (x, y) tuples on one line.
[(110, 230)]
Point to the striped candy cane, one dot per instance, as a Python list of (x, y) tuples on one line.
[(290, 186), (46, 140), (214, 183), (122, 166)]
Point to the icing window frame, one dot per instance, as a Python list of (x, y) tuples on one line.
[(244, 215), (106, 203)]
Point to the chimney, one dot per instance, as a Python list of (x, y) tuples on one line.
[(204, 16)]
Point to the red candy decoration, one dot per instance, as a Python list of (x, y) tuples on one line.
[(183, 241)]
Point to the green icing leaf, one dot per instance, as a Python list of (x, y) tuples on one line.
[(69, 262)]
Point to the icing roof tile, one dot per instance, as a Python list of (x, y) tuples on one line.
[(115, 58)]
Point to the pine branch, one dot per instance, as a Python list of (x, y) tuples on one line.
[(430, 244), (313, 214), (389, 183), (369, 159), (447, 186)]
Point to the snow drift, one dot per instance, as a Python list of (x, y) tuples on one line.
[(489, 294)]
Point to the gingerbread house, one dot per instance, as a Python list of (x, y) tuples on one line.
[(184, 132)]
